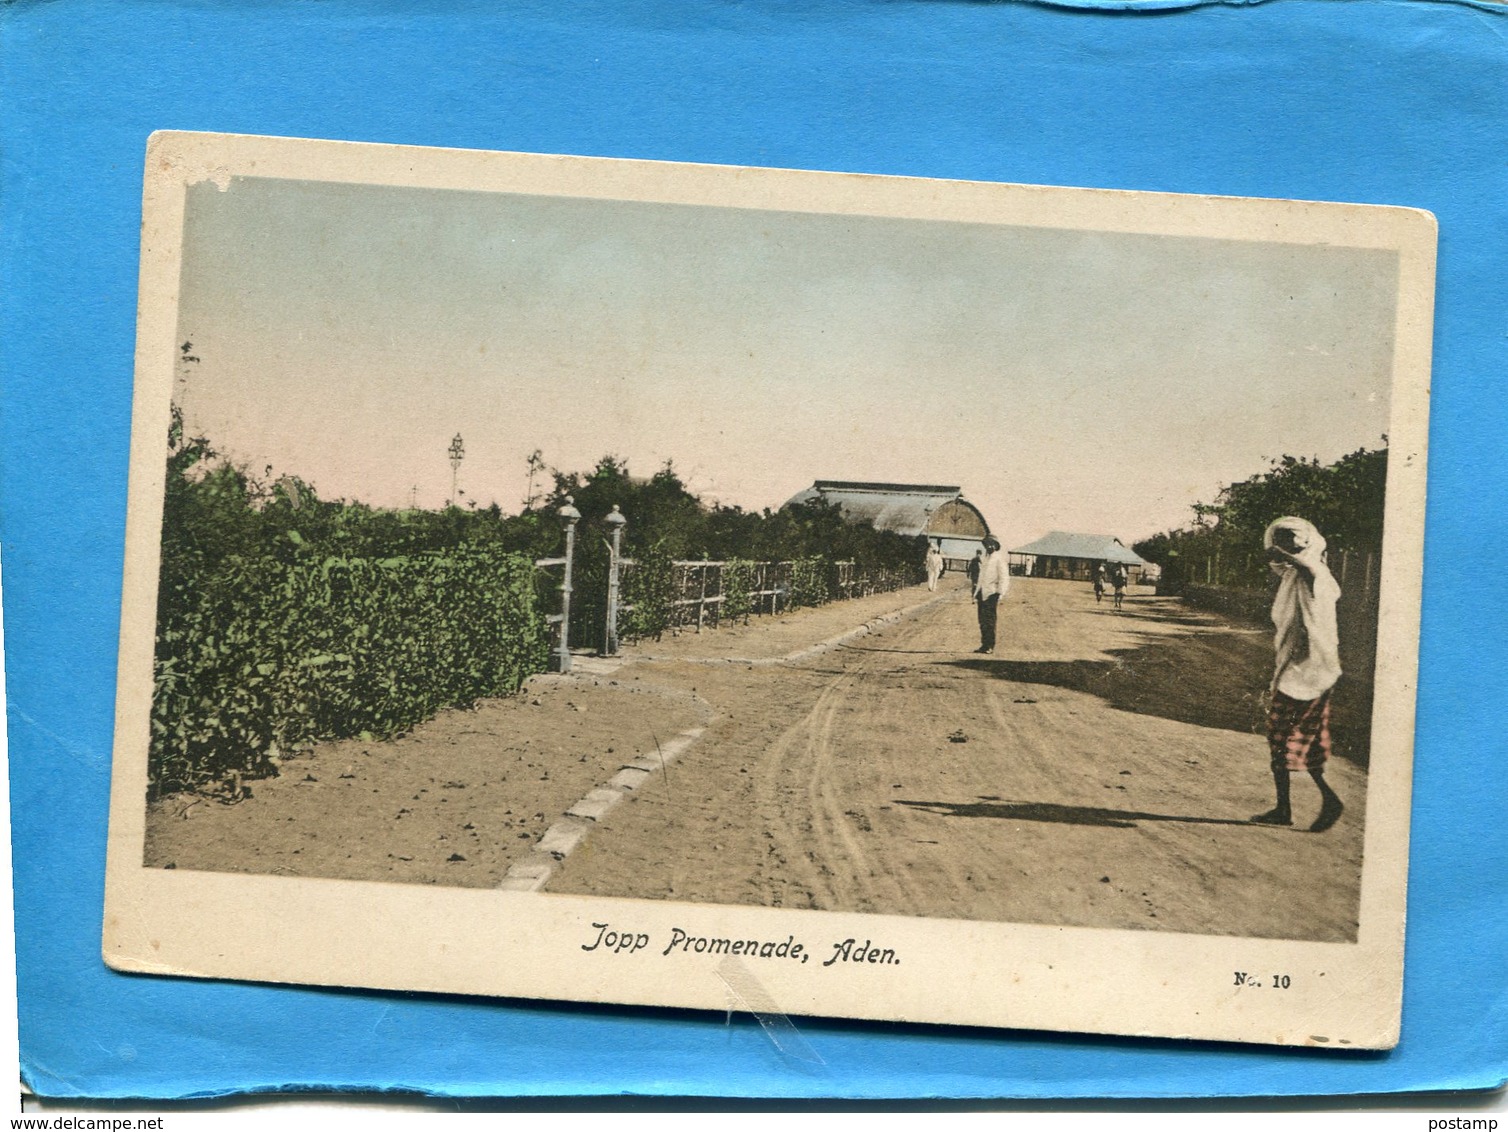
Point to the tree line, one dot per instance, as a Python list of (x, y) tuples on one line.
[(1223, 542), (284, 617)]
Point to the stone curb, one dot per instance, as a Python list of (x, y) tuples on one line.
[(571, 828)]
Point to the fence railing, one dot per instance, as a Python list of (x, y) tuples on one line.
[(1355, 570), (706, 593), (709, 591), (645, 597)]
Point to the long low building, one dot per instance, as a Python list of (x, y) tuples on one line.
[(1067, 554), (937, 511)]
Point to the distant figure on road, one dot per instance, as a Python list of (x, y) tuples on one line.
[(1118, 581), (974, 564), (994, 579), (934, 564), (1099, 582), (1307, 666)]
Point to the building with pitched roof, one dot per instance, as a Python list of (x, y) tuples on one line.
[(937, 511), (1067, 554)]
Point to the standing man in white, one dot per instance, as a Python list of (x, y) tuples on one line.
[(994, 579), (1307, 666), (934, 564)]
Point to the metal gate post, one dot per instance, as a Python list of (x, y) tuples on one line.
[(616, 522), (570, 517)]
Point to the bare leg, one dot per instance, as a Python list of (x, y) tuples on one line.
[(1330, 804), (1282, 813)]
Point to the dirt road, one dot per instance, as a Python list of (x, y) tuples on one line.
[(1097, 770)]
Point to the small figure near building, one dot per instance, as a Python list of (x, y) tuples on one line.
[(994, 580), (934, 564), (1099, 582), (1118, 583), (1306, 668), (1069, 556)]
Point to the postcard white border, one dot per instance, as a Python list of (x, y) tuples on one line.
[(483, 942)]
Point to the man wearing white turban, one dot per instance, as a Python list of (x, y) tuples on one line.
[(1307, 666)]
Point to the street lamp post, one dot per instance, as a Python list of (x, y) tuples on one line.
[(616, 522), (457, 452), (569, 517)]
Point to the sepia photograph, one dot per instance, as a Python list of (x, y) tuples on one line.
[(788, 591)]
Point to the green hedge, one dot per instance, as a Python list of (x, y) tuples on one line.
[(811, 580), (647, 592), (739, 582), (267, 654), (284, 618)]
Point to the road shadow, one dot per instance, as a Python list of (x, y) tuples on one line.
[(1164, 611), (1214, 677), (903, 652), (1056, 813)]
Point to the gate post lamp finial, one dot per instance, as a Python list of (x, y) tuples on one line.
[(569, 517), (615, 523)]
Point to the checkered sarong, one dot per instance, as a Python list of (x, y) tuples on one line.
[(1298, 732)]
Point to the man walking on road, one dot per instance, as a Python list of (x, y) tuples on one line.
[(1118, 583), (994, 579)]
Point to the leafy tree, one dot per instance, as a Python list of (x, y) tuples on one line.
[(284, 617), (1344, 500)]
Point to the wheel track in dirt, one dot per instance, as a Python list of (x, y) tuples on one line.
[(799, 840), (1059, 782), (818, 840)]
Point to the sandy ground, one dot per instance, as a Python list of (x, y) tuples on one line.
[(455, 802), (1097, 770)]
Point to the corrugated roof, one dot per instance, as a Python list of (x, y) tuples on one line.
[(888, 488), (1068, 544), (901, 507)]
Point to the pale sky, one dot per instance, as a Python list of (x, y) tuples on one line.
[(1066, 380)]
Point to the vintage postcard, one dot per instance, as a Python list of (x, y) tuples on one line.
[(795, 592)]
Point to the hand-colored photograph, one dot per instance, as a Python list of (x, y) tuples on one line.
[(848, 560)]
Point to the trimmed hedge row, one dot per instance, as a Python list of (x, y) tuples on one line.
[(284, 618), (267, 654)]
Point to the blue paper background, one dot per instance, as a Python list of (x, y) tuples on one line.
[(1390, 102)]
